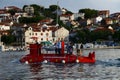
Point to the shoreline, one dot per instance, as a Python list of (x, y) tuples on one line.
[(110, 47)]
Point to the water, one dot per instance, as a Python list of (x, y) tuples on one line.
[(107, 67)]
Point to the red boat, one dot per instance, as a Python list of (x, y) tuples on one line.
[(36, 56)]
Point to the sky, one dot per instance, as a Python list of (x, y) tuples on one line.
[(71, 5)]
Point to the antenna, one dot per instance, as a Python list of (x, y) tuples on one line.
[(57, 15), (57, 25)]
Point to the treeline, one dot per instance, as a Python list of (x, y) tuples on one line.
[(86, 36)]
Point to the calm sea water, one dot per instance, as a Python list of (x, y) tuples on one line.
[(107, 67)]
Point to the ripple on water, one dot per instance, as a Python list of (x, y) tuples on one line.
[(107, 67)]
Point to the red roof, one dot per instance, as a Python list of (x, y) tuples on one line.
[(103, 29), (66, 15)]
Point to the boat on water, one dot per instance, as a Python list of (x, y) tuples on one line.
[(35, 56)]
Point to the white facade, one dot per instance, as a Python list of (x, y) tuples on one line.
[(66, 17), (62, 34), (4, 27), (39, 36), (4, 15), (89, 21), (71, 17)]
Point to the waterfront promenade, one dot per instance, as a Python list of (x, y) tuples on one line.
[(104, 47)]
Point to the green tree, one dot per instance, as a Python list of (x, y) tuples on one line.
[(101, 35), (81, 36), (24, 7), (49, 13), (89, 13), (31, 19), (69, 12), (37, 9), (8, 39), (116, 35), (54, 7), (12, 12)]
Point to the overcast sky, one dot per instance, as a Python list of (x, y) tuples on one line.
[(72, 5)]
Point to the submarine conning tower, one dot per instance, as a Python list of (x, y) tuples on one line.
[(35, 49)]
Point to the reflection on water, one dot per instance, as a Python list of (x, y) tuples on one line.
[(107, 67), (61, 71)]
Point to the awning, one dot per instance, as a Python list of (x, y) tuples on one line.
[(46, 43)]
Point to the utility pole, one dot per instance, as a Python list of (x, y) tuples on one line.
[(57, 15)]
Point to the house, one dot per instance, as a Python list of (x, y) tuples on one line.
[(4, 32), (4, 26), (66, 17), (64, 10), (89, 21), (33, 35), (62, 34), (45, 33), (98, 19), (108, 21), (77, 15), (115, 20), (74, 23), (115, 15), (4, 15), (104, 13), (85, 22)]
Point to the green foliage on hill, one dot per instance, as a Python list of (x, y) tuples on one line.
[(53, 8), (101, 35), (12, 12), (116, 36), (89, 13), (86, 36), (8, 39), (30, 19)]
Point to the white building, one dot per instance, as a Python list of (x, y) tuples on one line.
[(62, 34), (31, 36), (77, 15), (66, 17), (4, 27)]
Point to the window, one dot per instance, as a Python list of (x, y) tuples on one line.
[(47, 39), (36, 34), (30, 28), (47, 34), (30, 34), (41, 33)]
